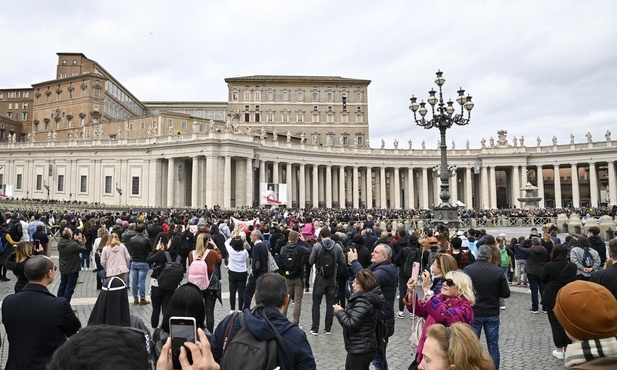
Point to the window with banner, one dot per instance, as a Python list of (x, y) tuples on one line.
[(272, 193)]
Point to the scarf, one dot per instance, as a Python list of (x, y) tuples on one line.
[(580, 352)]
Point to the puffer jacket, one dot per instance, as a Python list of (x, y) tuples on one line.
[(359, 319)]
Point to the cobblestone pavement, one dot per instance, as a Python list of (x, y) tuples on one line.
[(525, 338)]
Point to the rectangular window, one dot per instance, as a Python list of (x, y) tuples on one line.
[(1, 95), (183, 125), (234, 96), (143, 125), (359, 97), (47, 97), (270, 117), (58, 96), (315, 95), (135, 185), (39, 182), (285, 96), (285, 116), (247, 96), (107, 185), (330, 96), (83, 93), (300, 116), (97, 92), (360, 141), (70, 94), (315, 117), (9, 115), (345, 140), (62, 75), (270, 95), (330, 118), (24, 106), (37, 99), (257, 117), (247, 117), (18, 181), (60, 182), (344, 118), (1, 179), (24, 116), (83, 184), (300, 96), (10, 105), (257, 95)]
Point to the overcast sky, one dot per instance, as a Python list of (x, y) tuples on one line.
[(534, 68)]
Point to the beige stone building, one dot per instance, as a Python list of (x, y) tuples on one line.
[(328, 110)]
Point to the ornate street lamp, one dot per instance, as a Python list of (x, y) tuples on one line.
[(443, 117)]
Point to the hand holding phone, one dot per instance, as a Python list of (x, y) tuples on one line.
[(181, 330)]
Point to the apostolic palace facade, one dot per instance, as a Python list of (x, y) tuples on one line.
[(83, 136)]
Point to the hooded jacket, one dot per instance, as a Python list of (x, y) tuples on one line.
[(328, 244), (115, 260), (69, 258), (294, 337), (536, 258), (359, 319)]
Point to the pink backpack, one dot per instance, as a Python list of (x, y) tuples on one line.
[(198, 271)]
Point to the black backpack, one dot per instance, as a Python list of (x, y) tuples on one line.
[(587, 258), (410, 258), (171, 274), (16, 231), (289, 263), (326, 263), (244, 351)]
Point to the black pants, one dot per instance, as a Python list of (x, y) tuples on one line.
[(321, 287), (237, 283), (359, 362), (402, 290), (160, 298), (559, 334), (307, 273), (210, 301), (249, 291), (341, 291)]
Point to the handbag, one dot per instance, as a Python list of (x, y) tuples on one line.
[(417, 326), (272, 266)]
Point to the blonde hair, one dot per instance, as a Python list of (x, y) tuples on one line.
[(461, 346), (23, 251), (446, 263), (464, 284), (201, 244), (113, 240)]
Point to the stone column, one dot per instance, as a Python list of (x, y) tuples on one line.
[(195, 183), (275, 172), (516, 190), (356, 188), (288, 179), (171, 182), (249, 182), (454, 188), (369, 188), (540, 180), (469, 187), (227, 182), (411, 189), (557, 185), (576, 196), (302, 187), (382, 187), (493, 186), (262, 173), (329, 186), (593, 184), (397, 188), (341, 186), (612, 183), (425, 201), (485, 186), (315, 178)]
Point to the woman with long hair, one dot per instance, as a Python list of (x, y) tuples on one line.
[(359, 320), (17, 260), (115, 258), (555, 275), (454, 347), (159, 297), (452, 304), (238, 258), (208, 253), (99, 243)]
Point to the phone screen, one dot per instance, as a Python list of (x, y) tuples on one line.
[(181, 330), (415, 271)]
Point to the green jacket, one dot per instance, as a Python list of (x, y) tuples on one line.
[(70, 260)]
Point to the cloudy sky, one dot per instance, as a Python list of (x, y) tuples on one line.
[(534, 68)]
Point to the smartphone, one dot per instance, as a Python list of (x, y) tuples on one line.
[(181, 330), (37, 244), (415, 271)]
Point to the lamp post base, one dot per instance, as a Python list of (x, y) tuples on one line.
[(447, 215)]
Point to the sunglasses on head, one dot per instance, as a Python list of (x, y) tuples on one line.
[(449, 282)]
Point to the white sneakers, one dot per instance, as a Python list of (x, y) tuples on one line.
[(558, 354)]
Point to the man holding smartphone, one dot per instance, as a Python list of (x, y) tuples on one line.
[(70, 248)]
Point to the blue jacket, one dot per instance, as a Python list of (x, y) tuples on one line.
[(294, 337), (518, 254), (388, 281)]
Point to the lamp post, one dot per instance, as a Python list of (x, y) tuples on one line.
[(443, 117)]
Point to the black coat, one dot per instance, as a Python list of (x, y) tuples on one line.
[(36, 323), (359, 319), (607, 278), (556, 275)]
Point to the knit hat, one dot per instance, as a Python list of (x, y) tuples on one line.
[(432, 240), (125, 224), (587, 310)]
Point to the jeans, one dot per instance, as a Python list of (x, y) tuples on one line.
[(491, 329), (85, 259), (68, 282), (377, 360), (321, 287), (295, 288), (358, 362), (506, 273), (249, 291), (536, 287), (160, 298), (139, 270), (209, 301), (521, 275), (237, 283)]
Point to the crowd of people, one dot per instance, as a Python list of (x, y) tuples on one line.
[(360, 262)]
